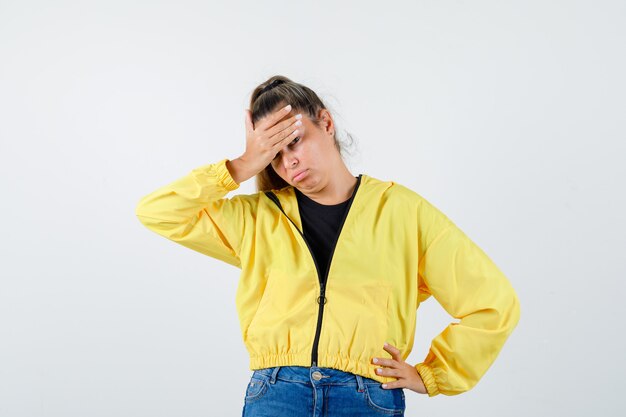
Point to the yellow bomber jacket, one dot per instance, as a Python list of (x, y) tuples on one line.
[(394, 251)]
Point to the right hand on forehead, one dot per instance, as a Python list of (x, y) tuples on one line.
[(270, 135)]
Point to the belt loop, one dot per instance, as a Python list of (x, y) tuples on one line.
[(273, 375), (359, 383)]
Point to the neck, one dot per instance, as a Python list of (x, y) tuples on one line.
[(339, 189)]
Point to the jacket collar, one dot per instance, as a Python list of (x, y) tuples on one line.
[(286, 199)]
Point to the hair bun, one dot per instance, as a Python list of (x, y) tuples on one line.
[(271, 85)]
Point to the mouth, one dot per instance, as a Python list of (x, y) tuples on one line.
[(299, 175)]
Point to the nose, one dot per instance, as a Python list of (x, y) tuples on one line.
[(289, 160)]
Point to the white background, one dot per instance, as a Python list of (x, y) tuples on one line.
[(508, 116)]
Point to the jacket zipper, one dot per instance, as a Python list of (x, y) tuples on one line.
[(321, 299)]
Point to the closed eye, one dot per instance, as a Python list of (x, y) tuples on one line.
[(296, 140)]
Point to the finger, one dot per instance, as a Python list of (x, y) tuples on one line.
[(286, 130), (283, 129), (392, 385), (273, 118), (384, 362), (278, 146), (388, 372), (392, 349)]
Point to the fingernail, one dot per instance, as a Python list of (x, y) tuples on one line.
[(288, 107), (386, 344), (375, 360), (384, 385)]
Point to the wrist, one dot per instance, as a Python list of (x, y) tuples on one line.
[(240, 170)]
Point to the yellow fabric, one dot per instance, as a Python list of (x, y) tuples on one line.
[(394, 251)]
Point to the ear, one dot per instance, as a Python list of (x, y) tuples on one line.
[(327, 121)]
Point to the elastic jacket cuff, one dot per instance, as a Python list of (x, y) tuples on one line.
[(223, 175), (428, 377)]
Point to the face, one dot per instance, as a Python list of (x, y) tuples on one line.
[(312, 151)]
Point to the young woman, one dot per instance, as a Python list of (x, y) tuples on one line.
[(333, 268)]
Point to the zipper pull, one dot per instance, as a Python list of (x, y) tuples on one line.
[(322, 297)]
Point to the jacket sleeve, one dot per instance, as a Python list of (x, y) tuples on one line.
[(193, 212), (470, 287)]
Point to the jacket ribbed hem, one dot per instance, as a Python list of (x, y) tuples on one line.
[(341, 363), (429, 379)]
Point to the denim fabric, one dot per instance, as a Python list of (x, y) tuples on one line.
[(298, 391)]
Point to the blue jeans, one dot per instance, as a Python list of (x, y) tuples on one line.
[(298, 391)]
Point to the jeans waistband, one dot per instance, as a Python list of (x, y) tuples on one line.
[(314, 375)]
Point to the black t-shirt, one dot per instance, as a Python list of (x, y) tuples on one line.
[(320, 224)]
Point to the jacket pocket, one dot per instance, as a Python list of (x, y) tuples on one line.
[(267, 298), (284, 318)]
